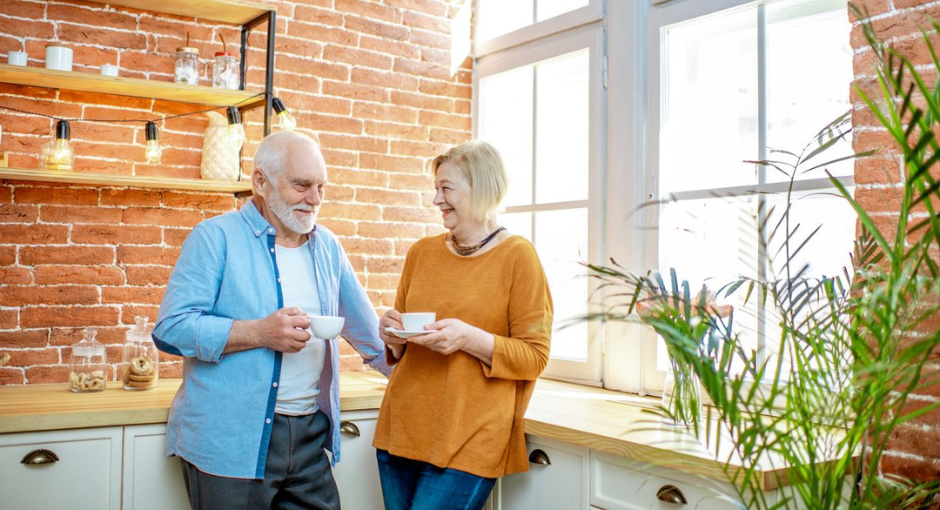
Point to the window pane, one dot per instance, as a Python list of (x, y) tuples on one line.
[(561, 242), (551, 8), (562, 126), (505, 120), (713, 242), (517, 224), (827, 252), (809, 74), (709, 103), (498, 17)]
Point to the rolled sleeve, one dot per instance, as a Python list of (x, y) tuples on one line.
[(185, 324)]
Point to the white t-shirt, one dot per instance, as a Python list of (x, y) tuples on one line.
[(300, 372)]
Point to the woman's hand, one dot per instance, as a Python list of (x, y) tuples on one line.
[(448, 336), (392, 319)]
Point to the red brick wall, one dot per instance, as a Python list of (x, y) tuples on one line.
[(372, 79), (915, 449)]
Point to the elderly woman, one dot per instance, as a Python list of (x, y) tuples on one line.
[(451, 420)]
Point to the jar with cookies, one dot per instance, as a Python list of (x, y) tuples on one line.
[(88, 367), (140, 360)]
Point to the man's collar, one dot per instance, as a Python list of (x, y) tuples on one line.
[(255, 220)]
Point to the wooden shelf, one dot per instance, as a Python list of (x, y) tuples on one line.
[(237, 12), (21, 174), (87, 82)]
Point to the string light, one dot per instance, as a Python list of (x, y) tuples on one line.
[(153, 151), (58, 153), (235, 127), (286, 121)]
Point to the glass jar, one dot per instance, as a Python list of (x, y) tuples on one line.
[(140, 361), (186, 70), (88, 367), (225, 71)]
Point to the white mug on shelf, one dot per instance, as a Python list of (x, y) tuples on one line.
[(58, 57), (109, 70), (16, 58)]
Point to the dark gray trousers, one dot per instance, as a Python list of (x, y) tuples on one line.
[(297, 474)]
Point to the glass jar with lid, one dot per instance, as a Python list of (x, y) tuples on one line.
[(186, 70), (140, 361), (88, 367), (225, 71)]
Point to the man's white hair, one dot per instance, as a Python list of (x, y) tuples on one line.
[(273, 151)]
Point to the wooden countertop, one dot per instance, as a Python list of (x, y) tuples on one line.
[(601, 420), (52, 406), (623, 424)]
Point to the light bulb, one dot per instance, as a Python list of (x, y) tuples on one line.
[(285, 120), (58, 154), (236, 128), (153, 151)]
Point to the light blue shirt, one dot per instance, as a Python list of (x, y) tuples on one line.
[(222, 415)]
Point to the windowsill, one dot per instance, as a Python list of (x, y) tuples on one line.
[(623, 424)]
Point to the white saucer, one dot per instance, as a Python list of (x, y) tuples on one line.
[(404, 334)]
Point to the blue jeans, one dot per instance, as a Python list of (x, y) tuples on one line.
[(414, 485)]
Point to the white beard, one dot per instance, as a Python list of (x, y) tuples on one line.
[(286, 214)]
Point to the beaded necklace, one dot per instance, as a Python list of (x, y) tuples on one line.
[(473, 248)]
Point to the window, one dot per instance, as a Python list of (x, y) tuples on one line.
[(730, 86), (540, 103), (694, 88)]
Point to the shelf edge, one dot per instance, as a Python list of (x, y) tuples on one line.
[(125, 181)]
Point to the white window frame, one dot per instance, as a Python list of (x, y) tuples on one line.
[(572, 31)]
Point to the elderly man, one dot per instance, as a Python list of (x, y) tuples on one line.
[(259, 402)]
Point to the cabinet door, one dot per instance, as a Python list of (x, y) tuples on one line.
[(152, 481), (86, 474), (618, 483), (560, 485), (357, 474)]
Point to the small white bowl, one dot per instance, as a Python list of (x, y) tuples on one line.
[(326, 327)]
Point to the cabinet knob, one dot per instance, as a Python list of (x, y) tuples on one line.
[(40, 457), (671, 494), (539, 457), (348, 427)]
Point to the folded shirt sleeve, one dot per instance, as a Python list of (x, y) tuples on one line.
[(185, 326)]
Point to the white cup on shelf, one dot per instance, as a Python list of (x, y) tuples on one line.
[(16, 58), (109, 70), (58, 57)]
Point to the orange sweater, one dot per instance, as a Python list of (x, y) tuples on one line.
[(455, 411)]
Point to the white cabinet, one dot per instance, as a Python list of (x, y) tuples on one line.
[(618, 483), (73, 469), (557, 479), (357, 474), (152, 481)]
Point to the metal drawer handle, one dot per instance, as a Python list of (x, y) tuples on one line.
[(348, 427), (40, 457), (539, 457), (671, 494)]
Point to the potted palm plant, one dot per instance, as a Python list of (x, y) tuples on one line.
[(852, 347)]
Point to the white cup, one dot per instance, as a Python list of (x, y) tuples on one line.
[(109, 70), (16, 58), (326, 327), (58, 57), (416, 321)]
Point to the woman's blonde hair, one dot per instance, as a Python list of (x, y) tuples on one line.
[(482, 166)]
